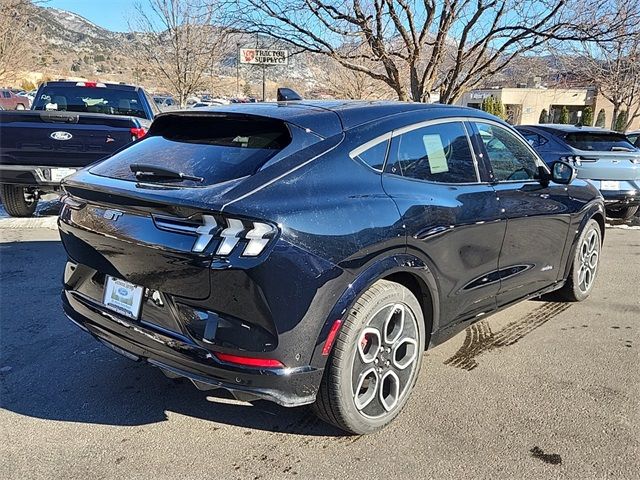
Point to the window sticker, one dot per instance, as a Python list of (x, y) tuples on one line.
[(435, 153)]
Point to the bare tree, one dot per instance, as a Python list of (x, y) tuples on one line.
[(15, 35), (420, 46), (181, 42), (614, 67)]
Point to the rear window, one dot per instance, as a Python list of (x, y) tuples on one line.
[(217, 149), (602, 142), (105, 100)]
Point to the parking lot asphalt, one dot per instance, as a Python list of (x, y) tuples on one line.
[(541, 390)]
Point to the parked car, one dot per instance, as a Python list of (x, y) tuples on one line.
[(309, 252), (165, 103), (72, 124), (11, 101), (206, 104), (604, 157)]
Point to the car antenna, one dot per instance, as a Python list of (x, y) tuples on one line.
[(287, 95)]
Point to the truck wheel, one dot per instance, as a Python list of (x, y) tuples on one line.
[(375, 360), (624, 213), (19, 106), (18, 201)]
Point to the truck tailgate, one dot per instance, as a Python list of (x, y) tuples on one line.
[(62, 138)]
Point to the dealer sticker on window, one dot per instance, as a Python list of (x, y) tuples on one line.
[(123, 297)]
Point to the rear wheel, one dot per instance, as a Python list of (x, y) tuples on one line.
[(586, 260), (18, 201), (375, 361), (623, 213)]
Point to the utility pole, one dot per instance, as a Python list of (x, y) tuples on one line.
[(264, 97), (238, 70)]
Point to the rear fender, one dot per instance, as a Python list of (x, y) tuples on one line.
[(400, 263), (593, 210)]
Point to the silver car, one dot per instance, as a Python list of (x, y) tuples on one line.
[(607, 158)]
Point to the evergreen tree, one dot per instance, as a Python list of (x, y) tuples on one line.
[(602, 118), (587, 116), (621, 121), (564, 115), (544, 116)]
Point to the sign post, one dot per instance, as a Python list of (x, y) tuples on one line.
[(264, 57)]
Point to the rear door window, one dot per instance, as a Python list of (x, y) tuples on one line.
[(436, 153), (217, 149), (601, 142)]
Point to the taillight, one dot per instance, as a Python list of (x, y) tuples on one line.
[(137, 133), (249, 361), (572, 159), (250, 238)]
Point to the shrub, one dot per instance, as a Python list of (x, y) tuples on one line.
[(564, 115), (601, 120), (587, 116), (544, 116), (621, 121)]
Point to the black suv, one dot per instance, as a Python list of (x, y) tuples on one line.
[(309, 252)]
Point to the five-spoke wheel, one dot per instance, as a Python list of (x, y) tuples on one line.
[(387, 353), (375, 361)]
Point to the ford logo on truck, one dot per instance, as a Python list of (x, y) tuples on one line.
[(61, 136)]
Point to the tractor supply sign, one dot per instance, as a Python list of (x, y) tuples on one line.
[(258, 56)]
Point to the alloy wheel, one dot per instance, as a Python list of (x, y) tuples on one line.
[(385, 360), (589, 256)]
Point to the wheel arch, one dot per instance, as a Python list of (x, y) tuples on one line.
[(594, 211), (405, 269)]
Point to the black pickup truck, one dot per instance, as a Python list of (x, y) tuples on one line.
[(70, 125)]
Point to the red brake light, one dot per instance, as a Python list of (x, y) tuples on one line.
[(138, 133), (249, 361), (331, 337)]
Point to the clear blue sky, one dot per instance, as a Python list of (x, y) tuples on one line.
[(109, 14)]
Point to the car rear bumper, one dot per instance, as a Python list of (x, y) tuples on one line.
[(621, 198), (177, 356), (28, 175)]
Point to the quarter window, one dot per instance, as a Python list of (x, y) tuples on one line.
[(375, 156), (436, 153), (509, 156)]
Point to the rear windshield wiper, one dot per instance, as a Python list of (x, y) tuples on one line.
[(161, 173)]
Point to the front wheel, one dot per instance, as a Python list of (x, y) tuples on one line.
[(18, 201), (19, 106), (375, 360), (586, 260)]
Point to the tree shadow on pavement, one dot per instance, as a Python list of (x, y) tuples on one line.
[(51, 369)]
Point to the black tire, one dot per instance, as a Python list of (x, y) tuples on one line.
[(346, 374), (575, 290), (15, 202), (626, 213)]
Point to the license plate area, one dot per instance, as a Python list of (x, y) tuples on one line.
[(610, 185), (57, 174), (122, 297)]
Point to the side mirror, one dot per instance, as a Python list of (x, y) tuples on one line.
[(563, 173)]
